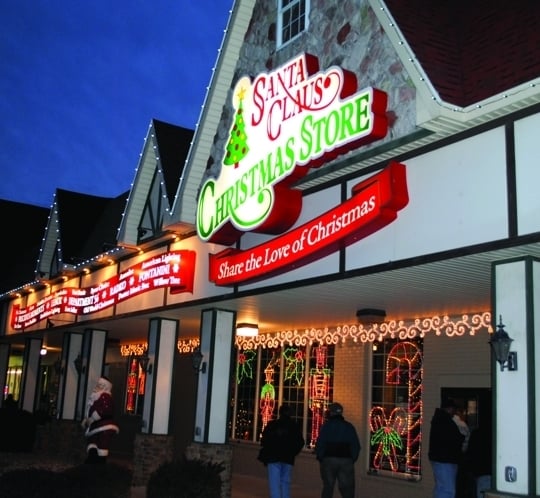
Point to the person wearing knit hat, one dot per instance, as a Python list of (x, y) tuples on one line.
[(98, 423), (337, 449)]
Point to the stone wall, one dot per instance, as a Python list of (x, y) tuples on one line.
[(63, 439), (346, 33)]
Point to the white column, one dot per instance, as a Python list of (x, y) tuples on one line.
[(94, 348), (213, 388), (162, 339), (516, 417), (69, 381), (30, 374)]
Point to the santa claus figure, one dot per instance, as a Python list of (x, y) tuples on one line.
[(98, 423)]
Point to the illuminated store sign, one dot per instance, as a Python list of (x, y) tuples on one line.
[(175, 269), (286, 122), (374, 203)]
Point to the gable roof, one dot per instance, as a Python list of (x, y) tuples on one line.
[(164, 154), (79, 226), (182, 216), (86, 223), (26, 227), (470, 62), (173, 144)]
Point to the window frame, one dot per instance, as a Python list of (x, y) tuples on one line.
[(302, 19), (396, 408), (245, 423)]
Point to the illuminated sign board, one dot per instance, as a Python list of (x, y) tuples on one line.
[(285, 122), (374, 204), (175, 269)]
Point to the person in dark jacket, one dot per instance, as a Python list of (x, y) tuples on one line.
[(337, 449), (281, 441), (445, 450), (480, 458)]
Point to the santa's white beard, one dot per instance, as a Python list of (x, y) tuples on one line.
[(94, 396)]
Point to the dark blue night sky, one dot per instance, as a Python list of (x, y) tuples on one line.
[(81, 81)]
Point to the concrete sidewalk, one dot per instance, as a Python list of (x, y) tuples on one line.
[(248, 487), (255, 487)]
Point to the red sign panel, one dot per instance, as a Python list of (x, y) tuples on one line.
[(175, 269), (374, 204)]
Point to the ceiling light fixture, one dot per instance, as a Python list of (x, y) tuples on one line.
[(247, 329), (370, 315)]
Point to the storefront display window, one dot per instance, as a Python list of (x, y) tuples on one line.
[(395, 418), (268, 377), (13, 378), (135, 386)]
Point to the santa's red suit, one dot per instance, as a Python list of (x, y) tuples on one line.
[(98, 423)]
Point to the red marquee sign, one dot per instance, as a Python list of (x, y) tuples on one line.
[(374, 204), (175, 269)]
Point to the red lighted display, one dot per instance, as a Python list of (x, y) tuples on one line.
[(175, 269), (374, 204)]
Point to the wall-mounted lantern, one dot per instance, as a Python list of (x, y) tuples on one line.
[(500, 343)]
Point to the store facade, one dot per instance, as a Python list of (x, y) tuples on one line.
[(372, 231)]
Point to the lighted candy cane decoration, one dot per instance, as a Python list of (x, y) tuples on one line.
[(387, 432)]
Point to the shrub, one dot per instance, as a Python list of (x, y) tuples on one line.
[(17, 430), (82, 481), (106, 481), (32, 483), (185, 479)]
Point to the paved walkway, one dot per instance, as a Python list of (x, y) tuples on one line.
[(243, 486), (255, 487), (248, 487)]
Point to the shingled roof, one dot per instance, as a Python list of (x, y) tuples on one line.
[(87, 223), (472, 49), (173, 142), (26, 228)]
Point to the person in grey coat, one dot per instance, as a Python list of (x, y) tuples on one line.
[(337, 449)]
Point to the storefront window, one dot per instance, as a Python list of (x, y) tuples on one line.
[(395, 418), (135, 385), (13, 378), (268, 377)]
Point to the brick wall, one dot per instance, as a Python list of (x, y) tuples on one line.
[(215, 453), (149, 452), (62, 439)]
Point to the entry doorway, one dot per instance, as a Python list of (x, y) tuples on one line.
[(475, 409), (474, 404)]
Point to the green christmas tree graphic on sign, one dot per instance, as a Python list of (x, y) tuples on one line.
[(237, 147)]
